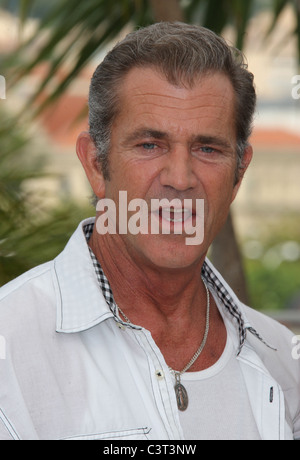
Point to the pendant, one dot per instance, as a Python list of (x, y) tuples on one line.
[(181, 394)]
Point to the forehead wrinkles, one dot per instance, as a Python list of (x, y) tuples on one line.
[(191, 107), (172, 101), (148, 82), (146, 94)]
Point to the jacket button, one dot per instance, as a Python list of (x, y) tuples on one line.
[(159, 374)]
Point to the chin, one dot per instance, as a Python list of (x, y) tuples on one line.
[(173, 254)]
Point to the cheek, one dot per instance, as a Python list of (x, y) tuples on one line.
[(130, 180), (137, 177), (219, 189)]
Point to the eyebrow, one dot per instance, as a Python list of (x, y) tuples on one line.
[(145, 132), (156, 134), (213, 140)]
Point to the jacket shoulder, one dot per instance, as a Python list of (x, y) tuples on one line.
[(25, 280), (274, 333), (26, 298), (279, 360)]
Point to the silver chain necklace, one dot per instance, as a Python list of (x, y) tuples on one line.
[(180, 391)]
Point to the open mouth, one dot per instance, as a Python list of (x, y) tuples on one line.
[(174, 215), (174, 220)]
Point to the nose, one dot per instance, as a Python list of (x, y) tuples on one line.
[(177, 171)]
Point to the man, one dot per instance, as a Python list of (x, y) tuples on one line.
[(130, 333)]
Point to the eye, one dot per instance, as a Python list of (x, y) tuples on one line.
[(148, 145), (206, 152), (207, 149)]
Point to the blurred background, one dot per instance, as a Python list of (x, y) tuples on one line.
[(48, 52)]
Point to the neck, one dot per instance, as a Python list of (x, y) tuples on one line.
[(169, 303), (165, 292)]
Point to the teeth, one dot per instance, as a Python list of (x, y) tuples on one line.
[(178, 215)]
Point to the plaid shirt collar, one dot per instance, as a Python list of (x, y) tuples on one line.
[(228, 301)]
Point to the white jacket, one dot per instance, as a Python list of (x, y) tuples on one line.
[(70, 370)]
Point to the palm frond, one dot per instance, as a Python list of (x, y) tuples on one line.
[(278, 7), (31, 232), (72, 32)]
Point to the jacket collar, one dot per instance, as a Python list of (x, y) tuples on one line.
[(232, 305), (82, 305), (80, 302)]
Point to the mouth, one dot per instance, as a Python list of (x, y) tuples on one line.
[(173, 219), (174, 215)]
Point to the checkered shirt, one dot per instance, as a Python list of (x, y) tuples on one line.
[(208, 275)]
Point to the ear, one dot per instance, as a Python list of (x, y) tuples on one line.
[(248, 154), (87, 154)]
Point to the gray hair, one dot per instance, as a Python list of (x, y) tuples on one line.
[(182, 53)]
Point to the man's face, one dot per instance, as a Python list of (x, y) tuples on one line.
[(175, 143)]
